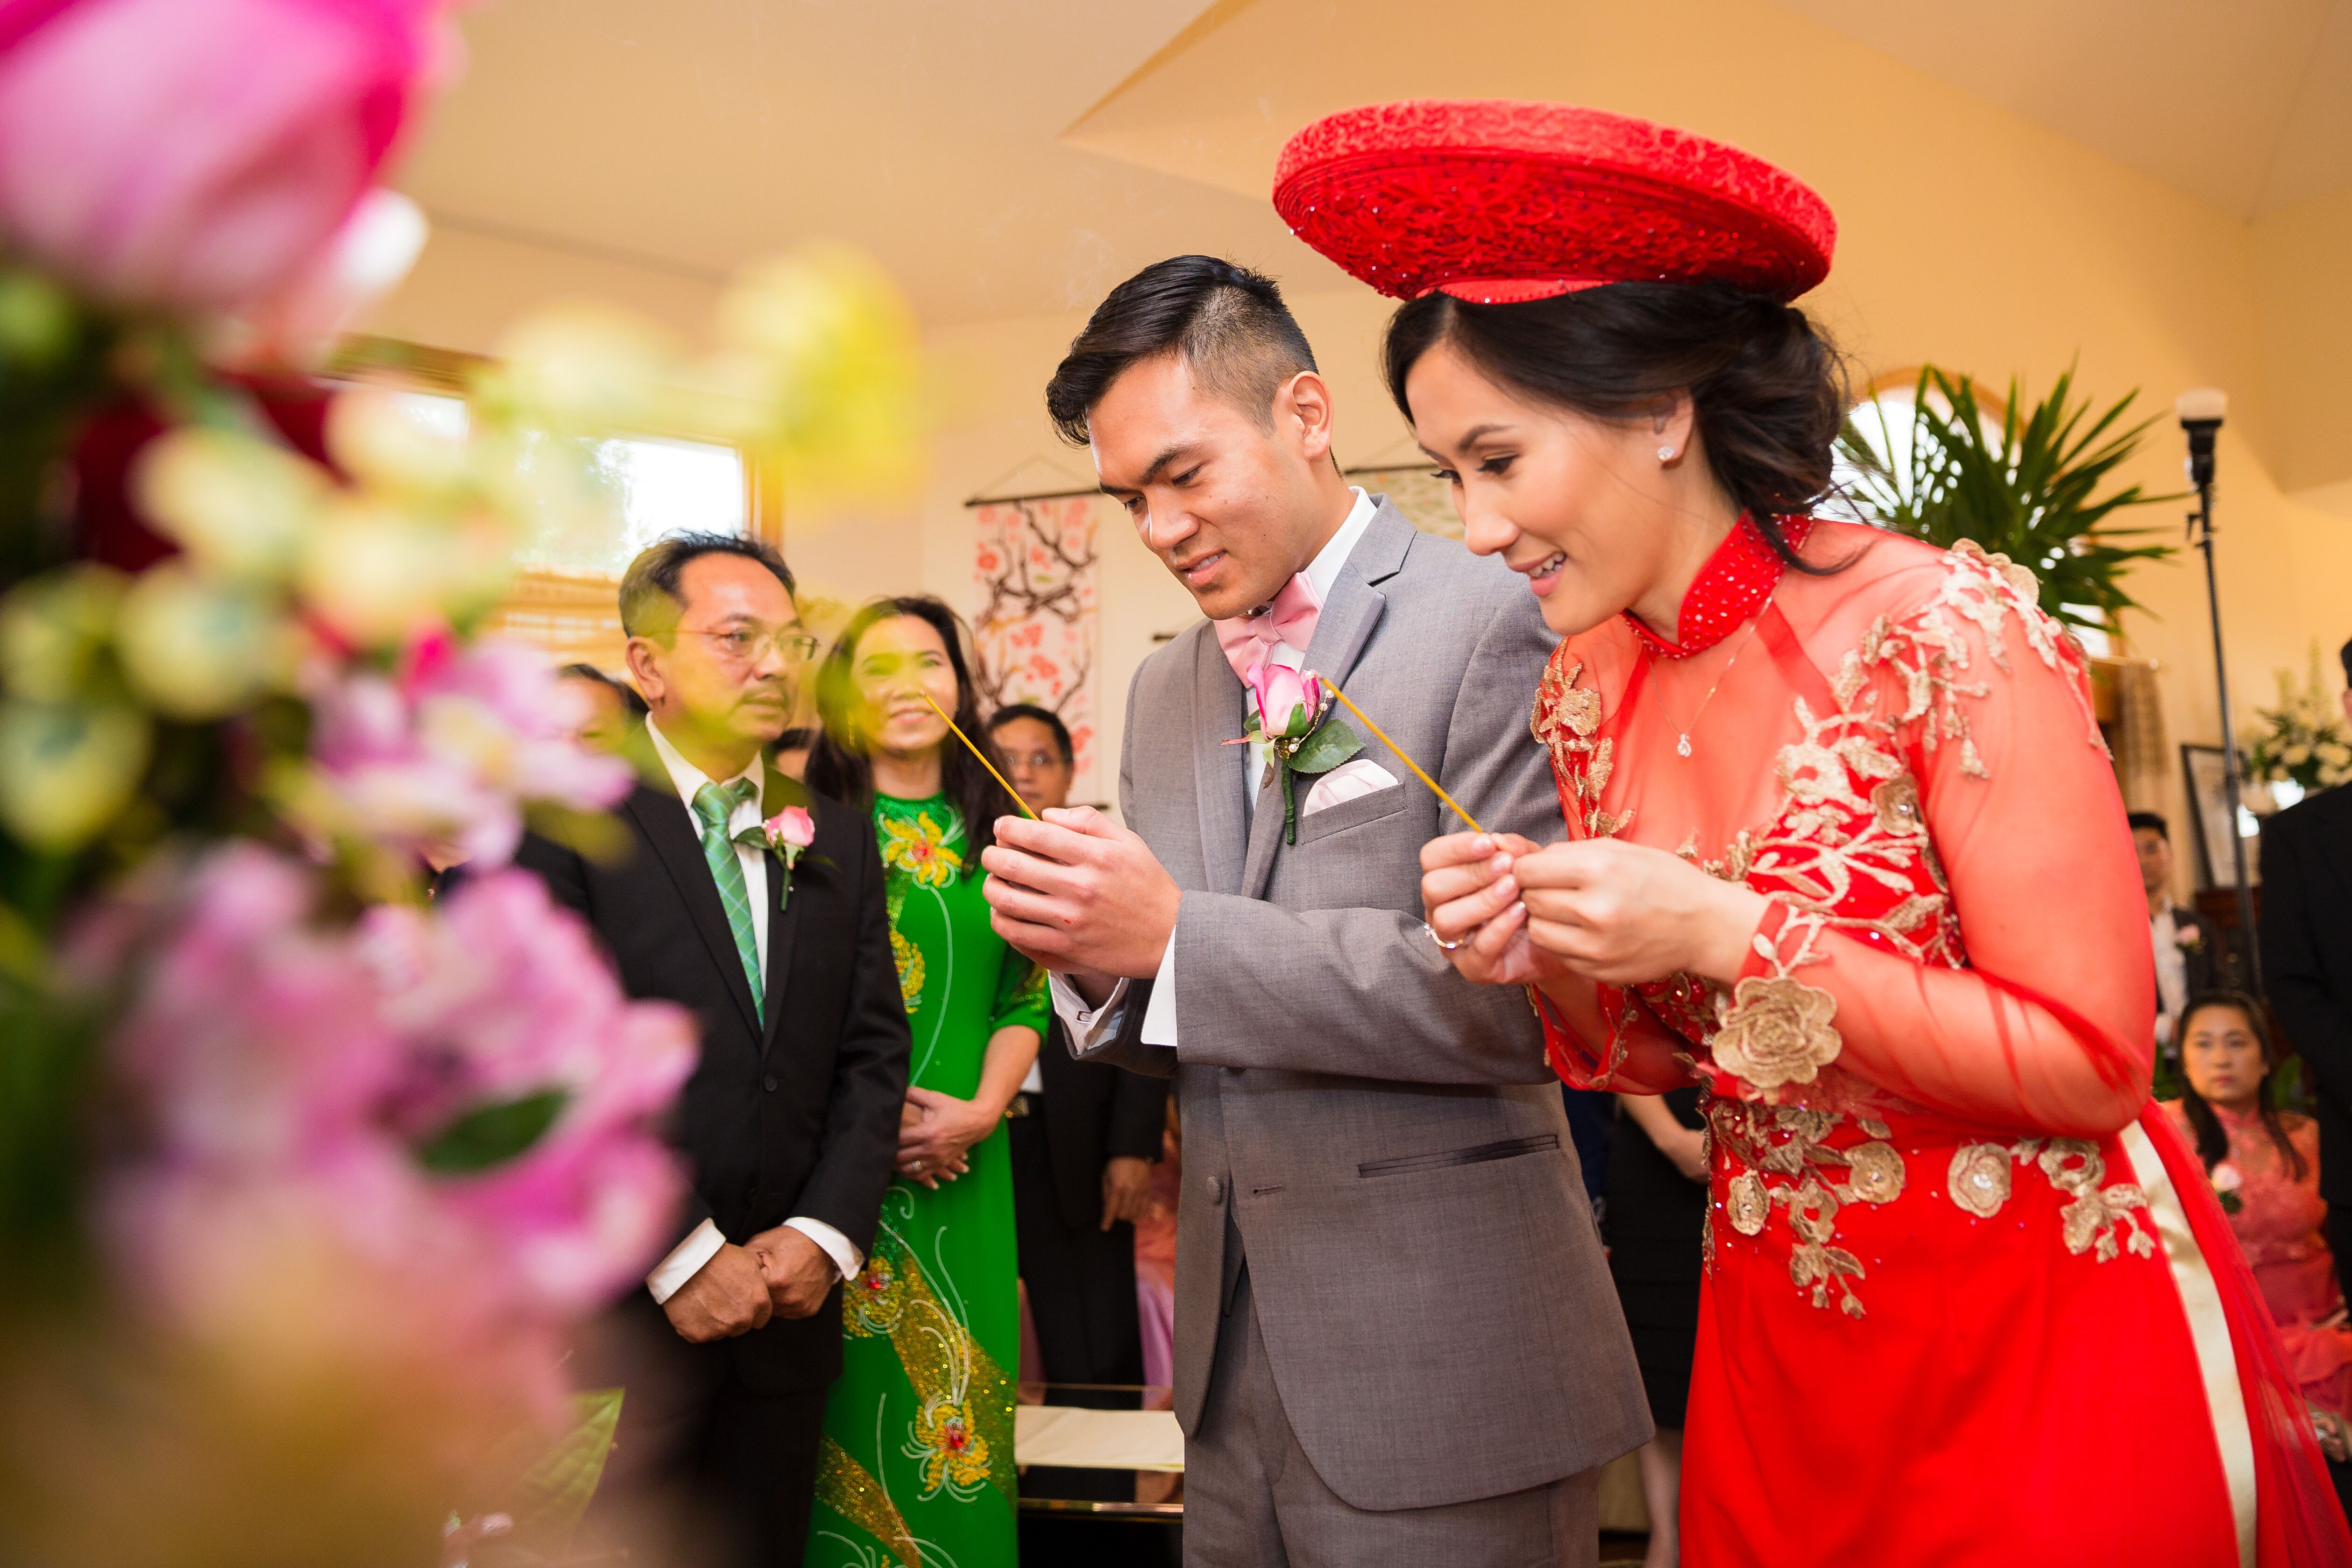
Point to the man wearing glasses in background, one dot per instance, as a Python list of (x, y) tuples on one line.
[(790, 1122)]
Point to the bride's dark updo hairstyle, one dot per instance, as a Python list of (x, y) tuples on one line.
[(1767, 387)]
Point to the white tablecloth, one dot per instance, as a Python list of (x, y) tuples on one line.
[(1098, 1439)]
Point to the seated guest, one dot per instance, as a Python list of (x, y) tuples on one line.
[(2185, 961), (791, 751), (2264, 1165), (1084, 1139), (613, 707)]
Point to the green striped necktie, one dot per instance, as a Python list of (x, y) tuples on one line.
[(714, 803)]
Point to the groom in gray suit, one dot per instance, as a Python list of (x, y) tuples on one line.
[(1396, 1340)]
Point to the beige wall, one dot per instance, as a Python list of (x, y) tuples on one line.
[(1969, 236)]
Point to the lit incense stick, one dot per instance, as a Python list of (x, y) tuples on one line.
[(1398, 751), (1016, 794)]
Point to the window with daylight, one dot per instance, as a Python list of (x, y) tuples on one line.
[(625, 492)]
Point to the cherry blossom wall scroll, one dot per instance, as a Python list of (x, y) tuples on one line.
[(1036, 614)]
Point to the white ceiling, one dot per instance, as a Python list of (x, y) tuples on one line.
[(692, 135), (2244, 104)]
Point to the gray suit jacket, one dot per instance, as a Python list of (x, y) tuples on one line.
[(1382, 1139)]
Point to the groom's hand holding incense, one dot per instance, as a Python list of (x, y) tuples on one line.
[(1082, 896)]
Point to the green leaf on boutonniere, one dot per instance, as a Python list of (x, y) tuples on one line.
[(1326, 748), (490, 1135)]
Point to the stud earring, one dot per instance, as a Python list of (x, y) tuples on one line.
[(1665, 453)]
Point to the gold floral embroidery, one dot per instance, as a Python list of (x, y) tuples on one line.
[(954, 1456), (1979, 1181), (910, 960), (1745, 1203), (1775, 1032), (846, 1487), (1775, 1029), (962, 1431), (1788, 1141), (1980, 1184), (1565, 717)]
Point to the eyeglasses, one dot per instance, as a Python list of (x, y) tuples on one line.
[(1040, 761), (745, 647)]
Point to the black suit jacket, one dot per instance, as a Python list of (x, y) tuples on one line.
[(1094, 1111), (2306, 936), (797, 1117)]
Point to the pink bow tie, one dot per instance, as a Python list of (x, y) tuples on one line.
[(1248, 640)]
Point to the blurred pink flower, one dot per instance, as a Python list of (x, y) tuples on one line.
[(447, 752), (284, 1076), (201, 153), (505, 995)]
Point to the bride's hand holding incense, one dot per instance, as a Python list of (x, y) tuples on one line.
[(1625, 913), (1471, 900), (1080, 894)]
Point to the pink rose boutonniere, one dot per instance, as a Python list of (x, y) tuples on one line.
[(788, 835), (1290, 715), (2187, 936), (2226, 1182), (790, 831)]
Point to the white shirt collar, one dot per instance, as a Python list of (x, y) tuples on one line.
[(688, 781), (1324, 570)]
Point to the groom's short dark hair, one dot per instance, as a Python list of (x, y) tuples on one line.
[(1228, 322)]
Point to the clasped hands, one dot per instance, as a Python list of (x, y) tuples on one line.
[(778, 1273), (1598, 910)]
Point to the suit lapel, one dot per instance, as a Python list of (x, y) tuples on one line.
[(783, 913), (1220, 775), (1341, 634), (662, 817)]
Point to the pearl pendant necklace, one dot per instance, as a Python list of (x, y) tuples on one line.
[(1683, 731)]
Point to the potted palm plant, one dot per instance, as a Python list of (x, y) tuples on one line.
[(2026, 485)]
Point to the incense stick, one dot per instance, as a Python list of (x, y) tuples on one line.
[(1000, 777), (1398, 751)]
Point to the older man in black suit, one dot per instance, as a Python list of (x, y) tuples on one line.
[(790, 1122), (2306, 936)]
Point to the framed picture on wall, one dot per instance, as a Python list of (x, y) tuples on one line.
[(2204, 769)]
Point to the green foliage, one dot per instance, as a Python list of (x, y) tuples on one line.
[(490, 1135), (2026, 488)]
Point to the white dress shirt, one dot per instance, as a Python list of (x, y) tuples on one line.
[(702, 1244), (1088, 1024), (2171, 973)]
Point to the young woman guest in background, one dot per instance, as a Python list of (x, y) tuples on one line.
[(919, 1429), (2264, 1164)]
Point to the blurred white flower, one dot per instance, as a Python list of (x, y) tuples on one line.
[(196, 648), (239, 504), (67, 768), (53, 632)]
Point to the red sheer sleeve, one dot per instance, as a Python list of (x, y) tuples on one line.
[(1599, 1037), (2049, 1028)]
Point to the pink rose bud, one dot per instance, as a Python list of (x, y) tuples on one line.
[(1281, 697), (200, 154), (2226, 1178), (793, 825)]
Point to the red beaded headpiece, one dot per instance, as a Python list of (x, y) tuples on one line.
[(1495, 201)]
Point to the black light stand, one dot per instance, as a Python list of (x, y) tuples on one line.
[(2202, 413)]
